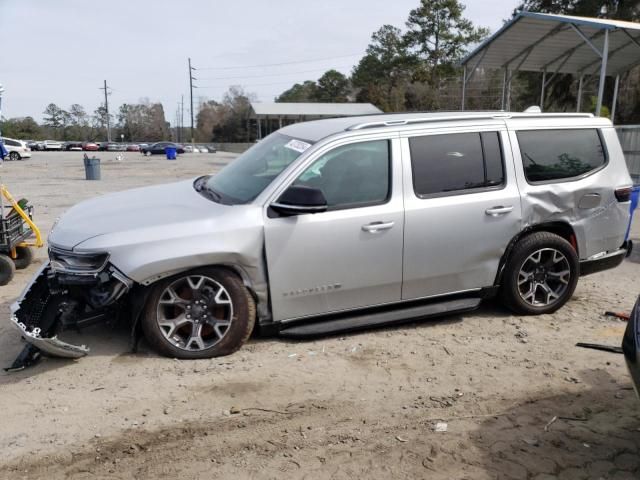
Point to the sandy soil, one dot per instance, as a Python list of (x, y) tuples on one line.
[(366, 405)]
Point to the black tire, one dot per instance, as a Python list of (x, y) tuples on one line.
[(24, 257), (548, 276), (7, 269), (14, 156), (242, 315)]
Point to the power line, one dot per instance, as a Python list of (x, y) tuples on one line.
[(249, 86), (282, 63), (273, 74)]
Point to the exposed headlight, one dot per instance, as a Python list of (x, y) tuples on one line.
[(78, 263)]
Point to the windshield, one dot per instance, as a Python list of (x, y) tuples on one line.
[(246, 177)]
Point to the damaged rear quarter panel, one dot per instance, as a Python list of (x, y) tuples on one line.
[(599, 227)]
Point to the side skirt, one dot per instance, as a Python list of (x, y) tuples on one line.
[(364, 319)]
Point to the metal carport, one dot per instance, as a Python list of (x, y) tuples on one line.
[(291, 112), (553, 44)]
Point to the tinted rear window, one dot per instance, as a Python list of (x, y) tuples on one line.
[(549, 155), (458, 161)]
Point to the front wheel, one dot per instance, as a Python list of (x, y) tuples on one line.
[(204, 313), (541, 274)]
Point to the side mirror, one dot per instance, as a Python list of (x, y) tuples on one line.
[(297, 200)]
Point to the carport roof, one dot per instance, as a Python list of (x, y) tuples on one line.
[(560, 44), (296, 110)]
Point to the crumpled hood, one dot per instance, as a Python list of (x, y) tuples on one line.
[(137, 209)]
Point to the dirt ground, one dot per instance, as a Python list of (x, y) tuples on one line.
[(367, 405)]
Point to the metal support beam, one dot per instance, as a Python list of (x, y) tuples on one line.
[(544, 84), (579, 102), (615, 99), (464, 86), (613, 52), (508, 102), (588, 40), (603, 72), (632, 38), (259, 129), (504, 89)]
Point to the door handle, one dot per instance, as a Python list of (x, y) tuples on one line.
[(496, 211), (375, 227)]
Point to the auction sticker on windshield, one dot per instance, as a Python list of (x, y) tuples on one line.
[(298, 145)]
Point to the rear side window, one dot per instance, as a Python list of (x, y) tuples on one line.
[(11, 143), (549, 155), (454, 162)]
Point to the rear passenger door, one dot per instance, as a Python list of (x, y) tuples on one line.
[(462, 208)]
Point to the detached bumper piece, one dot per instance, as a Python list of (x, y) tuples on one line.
[(631, 346), (54, 302)]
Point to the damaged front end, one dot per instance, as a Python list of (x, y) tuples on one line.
[(70, 292)]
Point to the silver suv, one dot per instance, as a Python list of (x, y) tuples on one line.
[(341, 224)]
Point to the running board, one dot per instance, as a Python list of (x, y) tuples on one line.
[(379, 319)]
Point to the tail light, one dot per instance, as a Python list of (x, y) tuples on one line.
[(623, 194)]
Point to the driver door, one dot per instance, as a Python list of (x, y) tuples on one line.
[(349, 256)]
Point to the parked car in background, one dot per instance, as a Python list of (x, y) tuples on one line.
[(133, 148), (116, 147), (189, 149), (72, 146), (159, 148), (427, 213), (51, 145), (17, 149), (90, 146), (206, 149)]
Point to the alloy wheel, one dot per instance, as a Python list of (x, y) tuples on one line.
[(544, 277), (194, 312)]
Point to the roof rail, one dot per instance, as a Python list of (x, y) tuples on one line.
[(484, 116)]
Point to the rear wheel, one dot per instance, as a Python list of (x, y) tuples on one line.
[(24, 257), (7, 269), (15, 156), (541, 274), (203, 313)]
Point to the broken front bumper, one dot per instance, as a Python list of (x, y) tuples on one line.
[(631, 346), (32, 332), (58, 299)]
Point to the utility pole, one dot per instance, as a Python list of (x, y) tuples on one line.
[(191, 87), (106, 106), (181, 115)]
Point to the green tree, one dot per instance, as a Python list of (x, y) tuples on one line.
[(21, 128), (230, 118), (382, 73), (333, 86), (300, 92), (54, 119), (142, 121), (439, 35)]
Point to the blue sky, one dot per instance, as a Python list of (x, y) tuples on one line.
[(61, 51)]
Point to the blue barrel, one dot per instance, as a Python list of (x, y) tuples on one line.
[(171, 152), (635, 193)]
